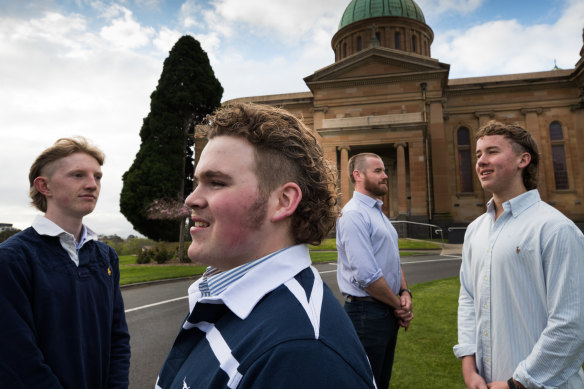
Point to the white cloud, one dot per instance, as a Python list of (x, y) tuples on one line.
[(506, 46), (49, 93), (124, 32), (166, 39)]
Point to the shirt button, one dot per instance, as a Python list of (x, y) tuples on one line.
[(486, 306), (487, 360), (486, 333), (486, 278)]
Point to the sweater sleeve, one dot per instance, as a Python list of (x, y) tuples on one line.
[(22, 363), (120, 338), (304, 364)]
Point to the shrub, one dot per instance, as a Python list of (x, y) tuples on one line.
[(145, 256)]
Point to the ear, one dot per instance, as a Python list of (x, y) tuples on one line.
[(356, 175), (42, 185), (525, 160), (285, 200)]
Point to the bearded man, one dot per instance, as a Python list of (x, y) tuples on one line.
[(369, 274)]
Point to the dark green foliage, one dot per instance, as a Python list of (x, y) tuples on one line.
[(163, 168), (8, 233)]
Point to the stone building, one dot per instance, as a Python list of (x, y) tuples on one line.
[(386, 94)]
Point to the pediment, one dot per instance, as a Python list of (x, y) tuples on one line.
[(375, 62)]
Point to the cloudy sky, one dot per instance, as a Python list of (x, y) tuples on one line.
[(85, 67)]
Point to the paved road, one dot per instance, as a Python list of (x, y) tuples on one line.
[(155, 312)]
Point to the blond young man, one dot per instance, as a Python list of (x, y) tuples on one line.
[(63, 323)]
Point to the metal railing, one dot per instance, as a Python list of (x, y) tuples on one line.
[(403, 232)]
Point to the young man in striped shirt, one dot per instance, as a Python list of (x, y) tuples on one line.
[(261, 317), (520, 313)]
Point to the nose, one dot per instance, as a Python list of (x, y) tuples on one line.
[(481, 160), (195, 200), (92, 183)]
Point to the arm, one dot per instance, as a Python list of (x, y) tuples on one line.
[(466, 347), (405, 313), (472, 379), (120, 338), (381, 291), (22, 361), (354, 236), (561, 341), (306, 364)]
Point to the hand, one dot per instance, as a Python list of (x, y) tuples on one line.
[(406, 302), (498, 385), (475, 381)]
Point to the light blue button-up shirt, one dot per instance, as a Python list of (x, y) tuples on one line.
[(367, 247), (521, 304)]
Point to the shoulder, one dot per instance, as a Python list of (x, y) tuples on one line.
[(549, 220), (321, 366), (21, 245)]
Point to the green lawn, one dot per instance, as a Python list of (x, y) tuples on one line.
[(326, 252), (424, 357)]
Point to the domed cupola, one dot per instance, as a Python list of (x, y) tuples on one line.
[(396, 24)]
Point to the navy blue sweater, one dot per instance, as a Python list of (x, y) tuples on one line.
[(61, 326), (281, 344)]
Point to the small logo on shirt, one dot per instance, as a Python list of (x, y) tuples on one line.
[(185, 384), (109, 271), (517, 250)]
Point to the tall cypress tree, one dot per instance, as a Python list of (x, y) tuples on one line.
[(163, 168)]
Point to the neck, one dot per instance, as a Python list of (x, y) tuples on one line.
[(365, 192), (500, 199), (71, 225)]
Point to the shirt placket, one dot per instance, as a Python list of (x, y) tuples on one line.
[(485, 326)]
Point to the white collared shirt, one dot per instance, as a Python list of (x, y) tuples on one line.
[(522, 294), (242, 295), (44, 226)]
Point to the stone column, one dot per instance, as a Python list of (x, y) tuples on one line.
[(418, 189), (542, 139), (440, 179), (402, 199), (345, 196)]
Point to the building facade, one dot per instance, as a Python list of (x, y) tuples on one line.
[(386, 94)]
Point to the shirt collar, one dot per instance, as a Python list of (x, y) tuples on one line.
[(517, 204), (44, 226), (243, 295), (367, 200)]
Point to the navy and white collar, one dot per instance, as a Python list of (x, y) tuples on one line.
[(242, 295)]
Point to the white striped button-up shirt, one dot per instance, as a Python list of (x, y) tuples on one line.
[(521, 305)]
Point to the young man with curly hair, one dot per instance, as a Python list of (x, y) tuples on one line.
[(63, 323), (521, 304), (261, 317)]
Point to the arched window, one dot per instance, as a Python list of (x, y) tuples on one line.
[(344, 49), (397, 39), (464, 160), (359, 43), (414, 48), (559, 156), (378, 37)]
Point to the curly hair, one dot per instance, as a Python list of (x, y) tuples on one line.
[(285, 151), (62, 148), (521, 141)]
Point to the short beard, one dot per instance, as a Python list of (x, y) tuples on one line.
[(257, 212), (376, 190)]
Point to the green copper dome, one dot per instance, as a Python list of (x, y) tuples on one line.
[(365, 9)]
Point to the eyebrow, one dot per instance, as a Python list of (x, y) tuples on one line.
[(210, 175)]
